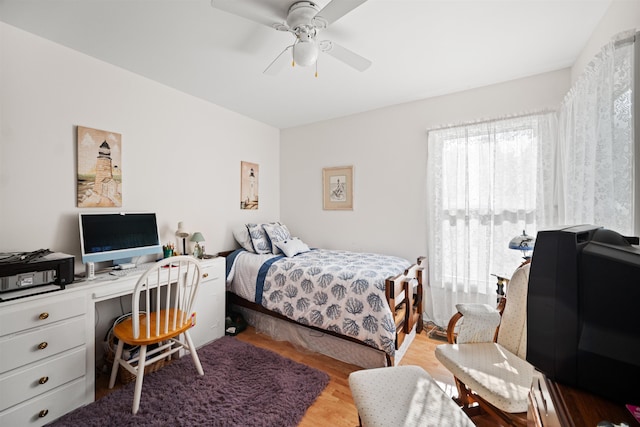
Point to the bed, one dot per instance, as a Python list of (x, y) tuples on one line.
[(362, 308)]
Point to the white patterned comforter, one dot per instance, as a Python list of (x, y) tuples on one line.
[(339, 291)]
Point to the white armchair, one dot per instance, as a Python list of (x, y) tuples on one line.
[(488, 358)]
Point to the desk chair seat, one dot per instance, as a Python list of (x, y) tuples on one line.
[(403, 396), (161, 312)]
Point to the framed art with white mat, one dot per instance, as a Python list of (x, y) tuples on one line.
[(337, 188)]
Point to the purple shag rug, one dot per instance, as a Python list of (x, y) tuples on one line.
[(243, 385)]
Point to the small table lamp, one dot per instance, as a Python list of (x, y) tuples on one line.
[(523, 243), (183, 234), (198, 250)]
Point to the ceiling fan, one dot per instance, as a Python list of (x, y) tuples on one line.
[(304, 20)]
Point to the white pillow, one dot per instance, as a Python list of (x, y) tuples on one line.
[(292, 247), (479, 323), (276, 233), (241, 234), (259, 238)]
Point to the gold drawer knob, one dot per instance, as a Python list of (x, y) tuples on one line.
[(43, 316), (43, 413), (42, 345), (43, 380), (205, 275)]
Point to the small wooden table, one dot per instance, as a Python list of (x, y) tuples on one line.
[(556, 405)]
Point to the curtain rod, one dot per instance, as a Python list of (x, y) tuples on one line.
[(488, 120), (626, 37), (626, 40)]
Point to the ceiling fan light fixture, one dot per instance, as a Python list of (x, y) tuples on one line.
[(305, 20), (305, 53)]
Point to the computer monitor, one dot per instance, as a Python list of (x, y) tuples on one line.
[(118, 237)]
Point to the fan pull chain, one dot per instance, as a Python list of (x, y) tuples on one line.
[(316, 69)]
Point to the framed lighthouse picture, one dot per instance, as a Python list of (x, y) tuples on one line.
[(99, 179), (249, 185)]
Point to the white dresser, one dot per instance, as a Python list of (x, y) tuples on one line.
[(42, 357), (47, 343)]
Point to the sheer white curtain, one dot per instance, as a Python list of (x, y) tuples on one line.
[(489, 181), (595, 151), (482, 181)]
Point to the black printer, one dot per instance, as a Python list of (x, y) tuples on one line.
[(30, 273)]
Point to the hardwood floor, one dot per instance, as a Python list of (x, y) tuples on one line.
[(335, 407)]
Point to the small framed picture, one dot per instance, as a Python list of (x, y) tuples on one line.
[(249, 185), (337, 188)]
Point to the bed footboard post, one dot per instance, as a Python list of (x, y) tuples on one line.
[(422, 280), (413, 278), (396, 298), (419, 292)]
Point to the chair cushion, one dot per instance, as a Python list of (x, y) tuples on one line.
[(403, 396), (479, 323), (491, 371)]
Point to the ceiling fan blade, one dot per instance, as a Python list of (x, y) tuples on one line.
[(279, 63), (345, 55), (264, 12), (335, 10)]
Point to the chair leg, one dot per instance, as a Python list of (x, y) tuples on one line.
[(463, 393), (194, 355), (139, 378), (116, 364)]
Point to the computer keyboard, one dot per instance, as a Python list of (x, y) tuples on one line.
[(135, 271)]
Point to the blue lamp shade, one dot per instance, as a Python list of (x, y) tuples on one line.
[(523, 243)]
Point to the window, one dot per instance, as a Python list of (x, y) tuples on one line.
[(489, 181), (482, 193)]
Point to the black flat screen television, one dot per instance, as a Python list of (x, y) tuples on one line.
[(583, 306)]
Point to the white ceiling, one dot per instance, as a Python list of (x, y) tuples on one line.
[(419, 48)]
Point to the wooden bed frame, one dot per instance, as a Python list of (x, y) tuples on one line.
[(404, 295)]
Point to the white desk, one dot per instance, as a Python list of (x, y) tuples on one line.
[(47, 343)]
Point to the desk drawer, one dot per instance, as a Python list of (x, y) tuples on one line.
[(27, 383), (44, 312), (19, 350), (47, 407), (211, 272)]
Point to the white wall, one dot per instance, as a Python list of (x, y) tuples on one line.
[(387, 148), (181, 155), (622, 15)]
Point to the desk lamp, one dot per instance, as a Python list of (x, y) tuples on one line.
[(523, 243), (183, 234), (198, 250)]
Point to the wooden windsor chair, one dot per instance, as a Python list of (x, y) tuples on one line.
[(161, 312)]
